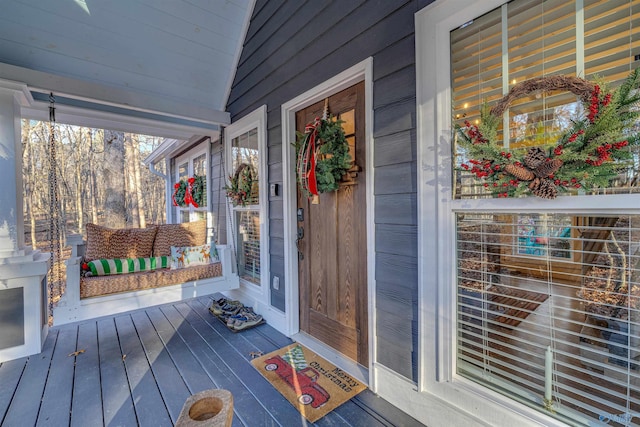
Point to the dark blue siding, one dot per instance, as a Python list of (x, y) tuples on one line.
[(294, 45)]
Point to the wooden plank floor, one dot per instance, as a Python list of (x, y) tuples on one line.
[(138, 368)]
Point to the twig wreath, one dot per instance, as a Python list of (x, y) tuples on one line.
[(189, 192), (587, 156), (242, 188), (322, 156)]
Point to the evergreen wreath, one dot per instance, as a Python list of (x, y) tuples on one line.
[(198, 189), (322, 156), (589, 155), (242, 185), (179, 191), (189, 192)]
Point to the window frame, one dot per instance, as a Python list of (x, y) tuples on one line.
[(436, 220), (188, 158), (257, 119)]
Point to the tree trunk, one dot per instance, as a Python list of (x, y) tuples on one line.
[(28, 178), (133, 215), (92, 194), (79, 210), (137, 181), (114, 180)]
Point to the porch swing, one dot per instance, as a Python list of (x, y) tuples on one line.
[(117, 270)]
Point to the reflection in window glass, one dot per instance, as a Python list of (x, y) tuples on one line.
[(559, 322), (543, 234), (244, 151)]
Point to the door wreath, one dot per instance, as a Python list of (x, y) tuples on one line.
[(243, 185), (322, 156), (587, 156), (189, 192)]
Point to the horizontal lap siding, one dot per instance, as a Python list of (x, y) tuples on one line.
[(292, 46)]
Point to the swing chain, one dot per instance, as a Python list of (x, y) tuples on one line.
[(55, 273)]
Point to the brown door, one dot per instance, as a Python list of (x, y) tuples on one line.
[(333, 250)]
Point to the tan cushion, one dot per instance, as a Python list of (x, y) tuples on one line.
[(103, 242), (185, 234), (103, 285)]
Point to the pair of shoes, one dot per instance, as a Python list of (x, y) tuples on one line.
[(231, 308), (244, 319), (216, 306), (243, 312), (225, 307)]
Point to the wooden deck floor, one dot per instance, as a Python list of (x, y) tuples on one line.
[(138, 368)]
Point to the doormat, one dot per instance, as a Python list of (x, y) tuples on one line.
[(310, 383)]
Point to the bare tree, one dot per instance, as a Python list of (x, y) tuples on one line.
[(138, 183), (113, 178)]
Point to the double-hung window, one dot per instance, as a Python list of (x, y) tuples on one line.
[(547, 293), (246, 157), (193, 164)]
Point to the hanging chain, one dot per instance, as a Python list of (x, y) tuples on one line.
[(55, 273)]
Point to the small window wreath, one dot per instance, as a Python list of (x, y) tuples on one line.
[(589, 155), (322, 156), (189, 192), (243, 185)]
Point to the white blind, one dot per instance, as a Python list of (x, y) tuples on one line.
[(548, 305), (542, 42), (611, 38), (248, 249)]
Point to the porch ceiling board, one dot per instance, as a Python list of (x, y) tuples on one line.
[(138, 368), (181, 53)]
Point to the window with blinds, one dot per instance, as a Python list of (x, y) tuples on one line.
[(548, 303), (533, 38), (548, 311), (245, 153)]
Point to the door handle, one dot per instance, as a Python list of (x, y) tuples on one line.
[(300, 236)]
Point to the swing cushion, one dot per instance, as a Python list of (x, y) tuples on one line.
[(108, 243), (106, 267), (185, 234)]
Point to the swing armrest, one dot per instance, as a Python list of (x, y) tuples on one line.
[(78, 245)]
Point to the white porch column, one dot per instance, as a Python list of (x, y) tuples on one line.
[(23, 289)]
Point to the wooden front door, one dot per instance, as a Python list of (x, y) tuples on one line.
[(333, 248)]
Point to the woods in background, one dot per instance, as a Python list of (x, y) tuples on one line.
[(101, 179)]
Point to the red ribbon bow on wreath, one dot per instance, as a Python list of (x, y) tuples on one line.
[(188, 193), (188, 198), (307, 158)]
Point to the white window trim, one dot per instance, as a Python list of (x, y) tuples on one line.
[(249, 293), (188, 158), (436, 226)]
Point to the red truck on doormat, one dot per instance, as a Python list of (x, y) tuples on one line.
[(311, 393)]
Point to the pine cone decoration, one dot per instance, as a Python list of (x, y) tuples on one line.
[(523, 174), (535, 157), (548, 168), (544, 188)]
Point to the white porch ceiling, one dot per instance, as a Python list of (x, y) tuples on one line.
[(171, 57)]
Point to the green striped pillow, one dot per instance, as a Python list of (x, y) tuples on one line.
[(105, 267)]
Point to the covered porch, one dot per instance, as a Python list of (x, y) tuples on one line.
[(139, 367)]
